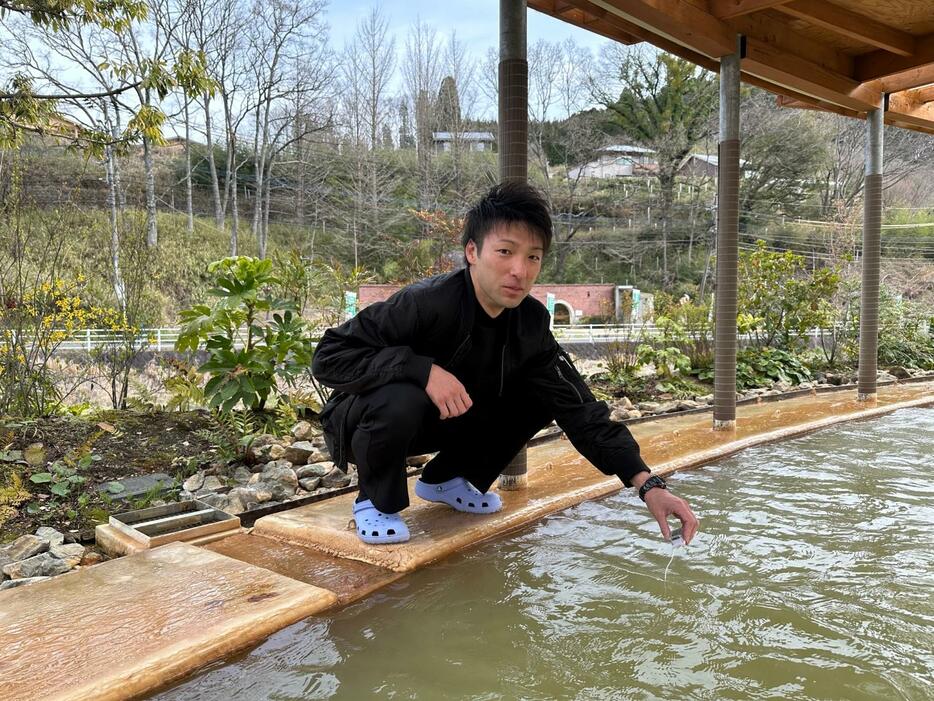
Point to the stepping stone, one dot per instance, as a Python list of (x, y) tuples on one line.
[(142, 621), (438, 530), (133, 487)]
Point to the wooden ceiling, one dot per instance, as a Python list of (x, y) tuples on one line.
[(843, 56)]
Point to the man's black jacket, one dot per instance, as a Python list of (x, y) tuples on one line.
[(430, 322)]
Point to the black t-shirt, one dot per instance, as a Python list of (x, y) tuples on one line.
[(480, 369)]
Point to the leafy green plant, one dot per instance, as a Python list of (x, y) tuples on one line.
[(668, 361), (780, 300), (61, 477), (252, 338)]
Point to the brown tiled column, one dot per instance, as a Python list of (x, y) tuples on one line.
[(513, 91), (872, 252), (513, 143), (724, 412)]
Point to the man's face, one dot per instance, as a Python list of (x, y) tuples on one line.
[(504, 271)]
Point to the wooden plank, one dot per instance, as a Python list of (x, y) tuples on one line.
[(777, 30), (914, 103), (635, 33), (851, 24), (793, 100), (906, 80), (678, 21), (727, 9), (880, 64), (765, 61)]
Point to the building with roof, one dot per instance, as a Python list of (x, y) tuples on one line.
[(443, 141), (617, 161)]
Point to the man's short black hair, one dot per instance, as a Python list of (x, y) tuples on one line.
[(508, 202)]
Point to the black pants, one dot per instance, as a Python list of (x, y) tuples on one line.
[(398, 420)]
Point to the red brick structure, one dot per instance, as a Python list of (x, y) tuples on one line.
[(573, 303)]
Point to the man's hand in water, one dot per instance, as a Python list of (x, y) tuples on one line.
[(447, 393), (662, 504)]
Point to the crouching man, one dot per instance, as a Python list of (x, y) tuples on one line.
[(465, 364)]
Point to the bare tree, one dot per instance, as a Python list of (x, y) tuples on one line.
[(422, 73)]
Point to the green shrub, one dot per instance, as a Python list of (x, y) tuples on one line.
[(252, 338)]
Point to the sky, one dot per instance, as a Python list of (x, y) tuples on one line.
[(476, 21)]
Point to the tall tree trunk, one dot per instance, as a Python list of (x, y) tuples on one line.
[(152, 232), (234, 214), (119, 287), (212, 166), (267, 200), (189, 209)]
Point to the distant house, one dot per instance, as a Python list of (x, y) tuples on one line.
[(470, 140), (703, 165), (618, 161)]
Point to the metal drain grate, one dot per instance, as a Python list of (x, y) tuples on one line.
[(184, 520)]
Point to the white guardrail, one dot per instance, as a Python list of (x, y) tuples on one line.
[(163, 339)]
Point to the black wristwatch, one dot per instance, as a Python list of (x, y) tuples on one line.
[(651, 483)]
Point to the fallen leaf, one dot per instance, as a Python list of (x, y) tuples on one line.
[(104, 426)]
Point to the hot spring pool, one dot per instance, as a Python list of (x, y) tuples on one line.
[(812, 578)]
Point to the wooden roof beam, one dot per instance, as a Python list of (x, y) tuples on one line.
[(727, 9), (789, 71), (883, 64), (678, 21), (581, 13), (851, 24)]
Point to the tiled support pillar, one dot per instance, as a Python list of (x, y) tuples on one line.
[(513, 92), (872, 252), (513, 143), (724, 412)]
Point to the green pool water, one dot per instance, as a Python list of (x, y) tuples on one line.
[(812, 578)]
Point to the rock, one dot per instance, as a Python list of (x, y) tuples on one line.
[(72, 553), (619, 415), (782, 386), (241, 474), (91, 557), (276, 451), (193, 483), (51, 535), (34, 454), (212, 483), (13, 583), (666, 396), (24, 547), (624, 403), (302, 431), (299, 452), (688, 404), (278, 478), (417, 460), (704, 398), (310, 484), (318, 469), (214, 500), (43, 565), (635, 414), (335, 479), (303, 452), (883, 376), (264, 440), (648, 407), (242, 499), (667, 407)]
